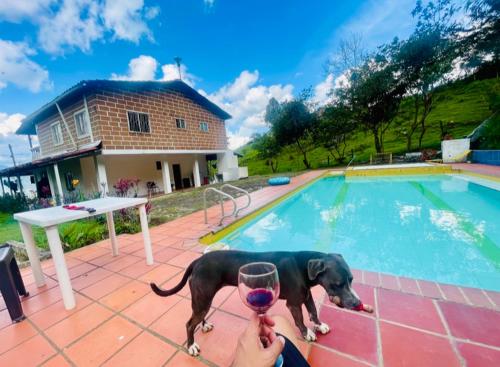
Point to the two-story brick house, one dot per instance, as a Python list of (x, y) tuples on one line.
[(165, 134)]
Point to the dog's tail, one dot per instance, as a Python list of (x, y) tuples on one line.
[(178, 287)]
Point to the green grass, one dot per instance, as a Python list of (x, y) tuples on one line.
[(9, 230), (464, 105)]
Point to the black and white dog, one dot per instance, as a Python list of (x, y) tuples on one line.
[(298, 272)]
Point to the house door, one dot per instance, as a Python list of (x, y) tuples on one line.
[(177, 176)]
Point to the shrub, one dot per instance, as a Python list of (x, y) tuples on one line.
[(13, 203), (81, 233)]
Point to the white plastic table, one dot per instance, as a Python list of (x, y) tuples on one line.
[(49, 218)]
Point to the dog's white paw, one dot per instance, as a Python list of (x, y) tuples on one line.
[(194, 350), (322, 328), (310, 336), (206, 327)]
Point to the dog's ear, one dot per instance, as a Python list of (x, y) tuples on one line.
[(315, 267)]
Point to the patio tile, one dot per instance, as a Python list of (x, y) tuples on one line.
[(407, 347), (365, 292), (15, 334), (225, 333), (371, 278), (350, 333), (182, 359), (80, 269), (389, 282), (410, 310), (172, 325), (320, 357), (184, 259), (166, 254), (30, 353), (122, 262), (235, 305), (160, 274), (222, 295), (112, 335), (477, 324), (105, 259), (92, 277), (452, 293), (4, 319), (477, 297), (78, 324), (495, 297), (138, 269), (430, 289), (88, 253), (133, 247), (56, 312), (57, 361), (105, 286), (145, 350), (126, 295), (477, 356), (409, 285), (36, 303), (150, 307), (33, 289)]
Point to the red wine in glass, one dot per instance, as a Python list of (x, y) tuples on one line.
[(259, 288)]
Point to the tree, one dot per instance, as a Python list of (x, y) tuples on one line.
[(423, 60), (373, 95), (335, 124), (268, 149), (292, 123)]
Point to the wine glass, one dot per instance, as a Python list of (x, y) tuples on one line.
[(259, 288)]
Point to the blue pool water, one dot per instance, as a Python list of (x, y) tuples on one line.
[(439, 228)]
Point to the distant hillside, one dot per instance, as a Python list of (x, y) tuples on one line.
[(462, 105)]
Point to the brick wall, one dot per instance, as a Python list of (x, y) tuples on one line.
[(163, 108), (45, 135)]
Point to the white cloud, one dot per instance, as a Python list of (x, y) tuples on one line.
[(65, 25), (322, 91), (141, 68), (75, 25), (171, 72), (246, 101), (8, 125), (209, 3), (15, 10), (125, 19), (17, 68)]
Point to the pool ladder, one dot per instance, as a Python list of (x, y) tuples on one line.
[(223, 195)]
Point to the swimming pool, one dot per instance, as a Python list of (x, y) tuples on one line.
[(437, 227)]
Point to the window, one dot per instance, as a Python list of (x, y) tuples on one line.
[(138, 122), (82, 124), (204, 126), (56, 131), (180, 123)]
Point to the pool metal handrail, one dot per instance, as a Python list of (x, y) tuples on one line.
[(221, 194), (352, 159), (240, 190)]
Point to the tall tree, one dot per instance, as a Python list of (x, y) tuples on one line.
[(373, 94), (335, 125), (292, 123), (268, 149)]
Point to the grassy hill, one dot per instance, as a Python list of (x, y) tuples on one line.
[(463, 105)]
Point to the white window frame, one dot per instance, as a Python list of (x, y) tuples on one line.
[(87, 123), (204, 123), (139, 132), (183, 120), (60, 130)]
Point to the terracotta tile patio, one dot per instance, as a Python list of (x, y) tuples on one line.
[(119, 322)]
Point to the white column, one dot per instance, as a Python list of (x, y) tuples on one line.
[(112, 233), (61, 269), (58, 183), (52, 185), (102, 179), (29, 244), (165, 170), (196, 173), (145, 234)]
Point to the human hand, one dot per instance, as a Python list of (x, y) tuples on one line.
[(251, 352)]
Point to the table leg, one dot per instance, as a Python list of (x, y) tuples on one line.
[(29, 243), (145, 234), (112, 233), (61, 268)]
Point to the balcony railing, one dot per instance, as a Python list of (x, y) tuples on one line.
[(35, 153)]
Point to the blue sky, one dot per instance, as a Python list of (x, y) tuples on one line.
[(238, 53)]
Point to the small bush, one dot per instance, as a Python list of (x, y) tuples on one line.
[(81, 233), (13, 204)]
